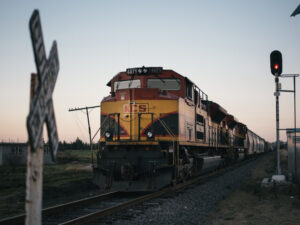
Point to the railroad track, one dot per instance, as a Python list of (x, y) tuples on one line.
[(49, 213), (95, 208)]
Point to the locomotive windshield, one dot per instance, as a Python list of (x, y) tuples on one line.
[(126, 84), (164, 84)]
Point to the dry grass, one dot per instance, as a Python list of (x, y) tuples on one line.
[(64, 181), (253, 204)]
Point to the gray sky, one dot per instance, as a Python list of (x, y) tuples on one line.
[(222, 46)]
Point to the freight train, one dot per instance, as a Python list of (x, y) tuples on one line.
[(158, 127)]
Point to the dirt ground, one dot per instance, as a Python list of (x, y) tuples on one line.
[(254, 204)]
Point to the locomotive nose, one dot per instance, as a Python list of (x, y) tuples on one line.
[(127, 171)]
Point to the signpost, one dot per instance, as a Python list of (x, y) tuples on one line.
[(41, 111)]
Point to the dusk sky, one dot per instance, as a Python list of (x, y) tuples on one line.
[(222, 46)]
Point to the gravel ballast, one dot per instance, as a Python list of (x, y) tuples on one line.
[(190, 206)]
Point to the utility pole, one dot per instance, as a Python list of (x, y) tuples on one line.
[(88, 119)]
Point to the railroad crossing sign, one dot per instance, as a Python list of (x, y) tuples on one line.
[(41, 107)]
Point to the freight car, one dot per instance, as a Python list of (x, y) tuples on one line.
[(158, 127)]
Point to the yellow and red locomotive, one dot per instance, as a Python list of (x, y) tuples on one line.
[(158, 127)]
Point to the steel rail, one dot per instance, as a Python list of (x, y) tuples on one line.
[(122, 206), (20, 219)]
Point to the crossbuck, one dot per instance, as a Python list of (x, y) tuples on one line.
[(41, 107)]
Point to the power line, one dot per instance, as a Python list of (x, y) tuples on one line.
[(87, 114)]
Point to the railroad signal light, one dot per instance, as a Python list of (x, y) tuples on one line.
[(276, 62)]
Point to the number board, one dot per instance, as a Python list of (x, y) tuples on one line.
[(41, 107)]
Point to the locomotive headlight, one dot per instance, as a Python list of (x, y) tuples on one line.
[(150, 135), (107, 135)]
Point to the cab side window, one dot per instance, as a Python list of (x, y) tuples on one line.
[(189, 89), (196, 99)]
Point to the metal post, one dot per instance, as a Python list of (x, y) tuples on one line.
[(118, 126), (295, 124), (139, 124), (296, 175), (277, 124)]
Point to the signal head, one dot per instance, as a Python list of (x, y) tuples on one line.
[(276, 62)]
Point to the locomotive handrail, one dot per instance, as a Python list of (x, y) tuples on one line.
[(109, 125), (101, 127), (139, 123), (92, 157), (96, 133), (92, 151), (166, 127), (173, 138)]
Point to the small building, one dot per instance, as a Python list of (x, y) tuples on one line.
[(16, 154), (293, 143)]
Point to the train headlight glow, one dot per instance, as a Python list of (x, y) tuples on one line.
[(107, 135), (149, 134)]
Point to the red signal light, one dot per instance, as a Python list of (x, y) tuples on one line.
[(276, 63)]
